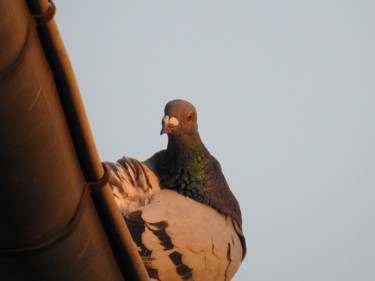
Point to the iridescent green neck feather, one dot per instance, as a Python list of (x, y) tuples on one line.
[(187, 168)]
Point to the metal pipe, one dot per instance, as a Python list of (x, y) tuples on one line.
[(50, 226)]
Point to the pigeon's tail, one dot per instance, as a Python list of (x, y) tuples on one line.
[(132, 184)]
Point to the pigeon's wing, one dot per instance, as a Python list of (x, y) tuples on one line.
[(180, 238), (132, 183)]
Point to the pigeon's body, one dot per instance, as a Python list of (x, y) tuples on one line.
[(178, 207)]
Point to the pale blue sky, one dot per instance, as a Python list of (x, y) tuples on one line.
[(285, 93)]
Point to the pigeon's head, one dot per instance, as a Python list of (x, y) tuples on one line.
[(180, 119)]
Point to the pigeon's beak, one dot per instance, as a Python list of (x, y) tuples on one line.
[(168, 123)]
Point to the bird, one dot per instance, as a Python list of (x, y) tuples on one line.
[(183, 218)]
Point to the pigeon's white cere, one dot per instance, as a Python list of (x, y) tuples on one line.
[(170, 121)]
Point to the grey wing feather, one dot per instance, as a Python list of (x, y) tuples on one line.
[(132, 183), (183, 239)]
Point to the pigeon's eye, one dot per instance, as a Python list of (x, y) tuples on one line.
[(189, 117)]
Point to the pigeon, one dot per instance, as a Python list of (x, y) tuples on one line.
[(182, 216)]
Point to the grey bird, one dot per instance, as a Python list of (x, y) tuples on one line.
[(183, 218)]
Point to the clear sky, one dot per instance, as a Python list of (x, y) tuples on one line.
[(285, 93)]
